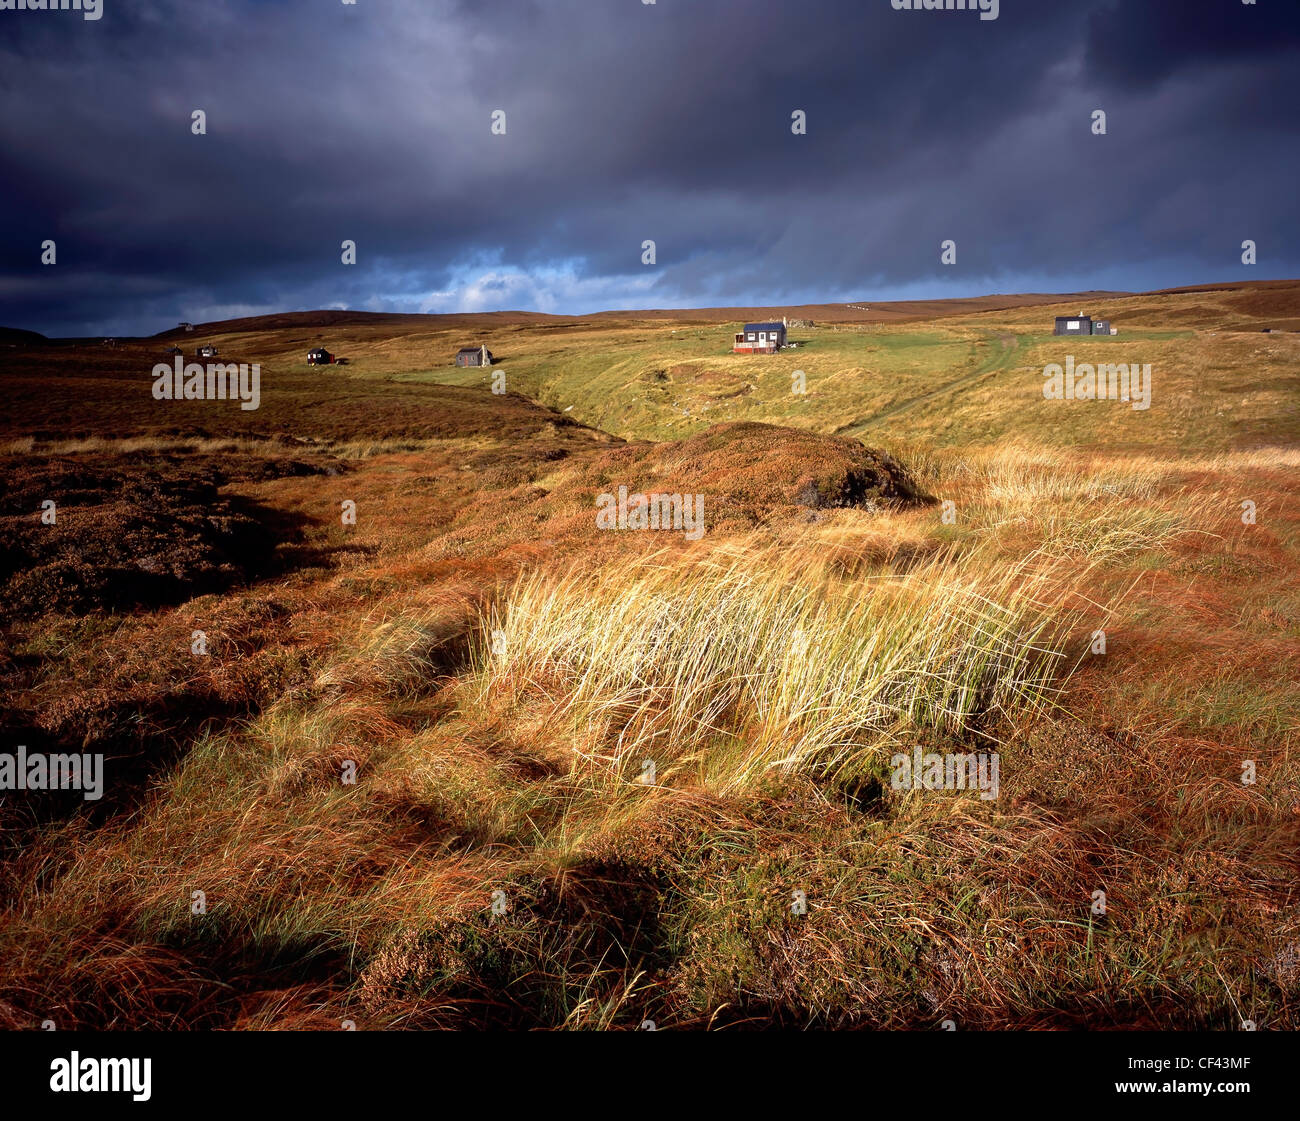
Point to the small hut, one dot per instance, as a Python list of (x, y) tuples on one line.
[(759, 338), (474, 356), (1073, 325)]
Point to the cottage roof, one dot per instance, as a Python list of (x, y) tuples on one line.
[(764, 326)]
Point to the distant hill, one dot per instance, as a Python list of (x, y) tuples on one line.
[(297, 320), (1264, 298), (899, 310), (865, 311), (16, 336), (1265, 294)]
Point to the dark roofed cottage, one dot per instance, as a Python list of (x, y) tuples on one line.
[(474, 356), (1073, 325), (760, 338)]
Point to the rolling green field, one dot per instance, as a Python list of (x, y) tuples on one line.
[(958, 383)]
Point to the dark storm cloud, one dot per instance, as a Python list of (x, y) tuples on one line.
[(627, 122), (1141, 44)]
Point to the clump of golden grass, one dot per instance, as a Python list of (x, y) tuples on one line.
[(752, 661), (391, 655), (1067, 505)]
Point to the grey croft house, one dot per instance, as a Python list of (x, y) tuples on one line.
[(474, 356), (1081, 325)]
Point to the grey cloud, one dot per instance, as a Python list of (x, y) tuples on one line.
[(630, 121)]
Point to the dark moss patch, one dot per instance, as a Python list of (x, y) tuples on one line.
[(126, 533)]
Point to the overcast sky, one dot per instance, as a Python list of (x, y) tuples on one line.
[(627, 121)]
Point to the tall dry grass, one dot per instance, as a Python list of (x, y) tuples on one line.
[(749, 662)]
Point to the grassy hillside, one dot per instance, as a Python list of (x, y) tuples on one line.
[(473, 761), (960, 380)]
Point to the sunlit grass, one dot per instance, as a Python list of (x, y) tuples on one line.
[(751, 662)]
